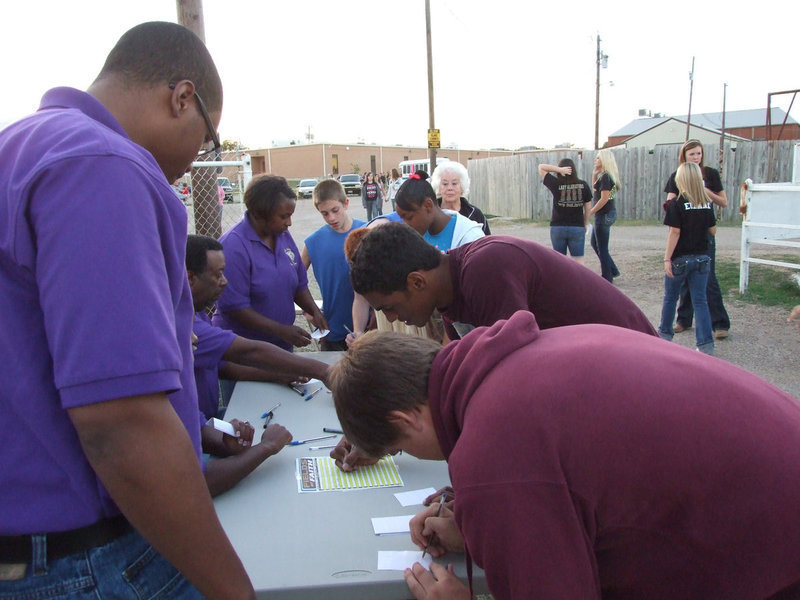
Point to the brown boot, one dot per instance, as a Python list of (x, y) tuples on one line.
[(678, 328)]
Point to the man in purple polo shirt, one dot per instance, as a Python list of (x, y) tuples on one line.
[(220, 351), (101, 443)]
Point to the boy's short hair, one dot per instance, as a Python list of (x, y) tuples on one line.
[(328, 189), (365, 392)]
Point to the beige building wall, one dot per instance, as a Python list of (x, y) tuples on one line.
[(320, 160)]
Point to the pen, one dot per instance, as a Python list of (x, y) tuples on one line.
[(348, 329), (267, 420), (312, 394), (331, 430), (314, 439), (301, 391), (433, 535), (269, 412), (321, 447)]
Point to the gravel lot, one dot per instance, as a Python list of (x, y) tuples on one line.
[(760, 339)]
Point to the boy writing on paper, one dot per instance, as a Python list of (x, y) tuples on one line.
[(642, 487)]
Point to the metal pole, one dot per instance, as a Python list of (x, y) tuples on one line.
[(691, 88), (207, 217), (597, 101), (431, 124), (722, 136)]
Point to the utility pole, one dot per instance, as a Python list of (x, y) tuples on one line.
[(431, 125), (602, 60), (207, 217), (722, 136), (691, 89), (190, 15)]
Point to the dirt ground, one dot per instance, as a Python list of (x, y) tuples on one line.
[(760, 340)]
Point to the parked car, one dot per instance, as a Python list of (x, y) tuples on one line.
[(351, 183), (306, 187), (225, 184)]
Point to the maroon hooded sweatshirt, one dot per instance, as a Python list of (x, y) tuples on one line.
[(593, 461)]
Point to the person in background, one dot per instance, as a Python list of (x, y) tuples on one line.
[(393, 185), (442, 229), (571, 203), (642, 487), (692, 151), (324, 251), (605, 179), (266, 276), (450, 182), (691, 221), (372, 197), (102, 444)]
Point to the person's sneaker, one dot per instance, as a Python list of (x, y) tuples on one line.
[(720, 334), (678, 328)]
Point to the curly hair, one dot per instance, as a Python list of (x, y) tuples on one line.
[(386, 255)]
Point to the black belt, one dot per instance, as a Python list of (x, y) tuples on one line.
[(19, 548)]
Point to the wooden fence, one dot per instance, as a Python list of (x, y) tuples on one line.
[(510, 186)]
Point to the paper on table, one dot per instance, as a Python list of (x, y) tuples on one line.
[(383, 525), (414, 496), (320, 333), (402, 560)]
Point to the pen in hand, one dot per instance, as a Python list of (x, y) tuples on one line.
[(433, 535)]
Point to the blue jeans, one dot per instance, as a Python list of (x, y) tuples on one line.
[(373, 209), (126, 568), (694, 269), (600, 238), (567, 236), (719, 316)]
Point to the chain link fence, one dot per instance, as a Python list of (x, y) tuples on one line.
[(213, 193)]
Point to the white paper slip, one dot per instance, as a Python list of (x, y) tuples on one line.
[(389, 560), (414, 496), (222, 426), (319, 333), (383, 525)]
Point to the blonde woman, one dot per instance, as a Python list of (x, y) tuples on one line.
[(692, 151), (691, 220), (605, 178)]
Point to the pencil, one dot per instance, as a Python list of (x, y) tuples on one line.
[(433, 535)]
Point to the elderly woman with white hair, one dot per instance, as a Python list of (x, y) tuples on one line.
[(450, 181)]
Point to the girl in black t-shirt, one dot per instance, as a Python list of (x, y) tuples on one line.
[(692, 151), (371, 196), (691, 220), (571, 203), (605, 179)]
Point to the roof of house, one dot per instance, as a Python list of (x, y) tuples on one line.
[(656, 122), (754, 117)]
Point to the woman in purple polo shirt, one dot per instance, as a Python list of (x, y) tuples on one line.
[(265, 274)]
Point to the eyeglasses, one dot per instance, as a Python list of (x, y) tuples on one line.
[(212, 133)]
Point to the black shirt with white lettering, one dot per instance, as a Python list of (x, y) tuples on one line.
[(694, 223), (568, 201)]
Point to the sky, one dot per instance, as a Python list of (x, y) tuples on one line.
[(506, 73)]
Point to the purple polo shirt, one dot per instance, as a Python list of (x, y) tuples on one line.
[(212, 344), (261, 279), (94, 302)]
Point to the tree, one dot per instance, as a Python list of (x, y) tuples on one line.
[(355, 167), (231, 145)]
